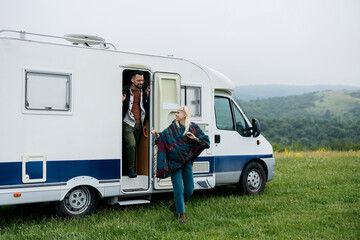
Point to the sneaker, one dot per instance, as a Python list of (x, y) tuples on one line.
[(132, 173)]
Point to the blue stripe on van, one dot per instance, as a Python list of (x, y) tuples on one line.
[(235, 163), (102, 169), (60, 171)]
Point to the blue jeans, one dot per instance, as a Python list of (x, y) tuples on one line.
[(183, 186)]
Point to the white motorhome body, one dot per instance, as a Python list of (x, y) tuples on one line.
[(61, 125)]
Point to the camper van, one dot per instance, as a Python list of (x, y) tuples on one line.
[(61, 124)]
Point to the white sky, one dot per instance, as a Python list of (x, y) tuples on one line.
[(293, 42)]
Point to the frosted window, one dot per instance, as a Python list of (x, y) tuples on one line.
[(191, 97), (46, 91)]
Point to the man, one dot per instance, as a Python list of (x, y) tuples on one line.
[(135, 103)]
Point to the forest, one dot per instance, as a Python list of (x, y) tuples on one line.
[(328, 120)]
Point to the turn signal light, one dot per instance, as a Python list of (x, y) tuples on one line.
[(17, 194), (258, 142)]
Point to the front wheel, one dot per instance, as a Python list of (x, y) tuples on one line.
[(79, 201), (253, 179)]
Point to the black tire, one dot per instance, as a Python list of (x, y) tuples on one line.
[(78, 202), (253, 179)]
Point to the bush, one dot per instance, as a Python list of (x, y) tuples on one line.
[(278, 147)]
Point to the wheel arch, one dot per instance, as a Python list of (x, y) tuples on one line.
[(261, 162), (87, 181)]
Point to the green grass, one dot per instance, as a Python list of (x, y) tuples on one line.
[(313, 196)]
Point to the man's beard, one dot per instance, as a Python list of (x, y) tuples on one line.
[(137, 86)]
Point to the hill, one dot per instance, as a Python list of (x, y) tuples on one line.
[(343, 105), (268, 91)]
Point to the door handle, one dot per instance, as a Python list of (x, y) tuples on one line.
[(217, 138)]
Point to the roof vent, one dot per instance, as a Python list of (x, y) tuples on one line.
[(86, 40)]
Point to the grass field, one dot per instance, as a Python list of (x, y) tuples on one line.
[(314, 195)]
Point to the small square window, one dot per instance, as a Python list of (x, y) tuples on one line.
[(47, 91)]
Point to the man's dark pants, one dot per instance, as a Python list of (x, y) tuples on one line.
[(131, 137)]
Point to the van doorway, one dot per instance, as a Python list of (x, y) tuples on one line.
[(142, 161)]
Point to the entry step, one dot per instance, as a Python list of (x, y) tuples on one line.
[(141, 181), (132, 202), (135, 190)]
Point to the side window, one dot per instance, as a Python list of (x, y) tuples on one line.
[(223, 114), (239, 121), (191, 97), (47, 91)]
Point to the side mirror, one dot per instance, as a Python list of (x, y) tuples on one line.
[(255, 127)]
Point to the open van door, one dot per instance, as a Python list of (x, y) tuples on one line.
[(166, 102)]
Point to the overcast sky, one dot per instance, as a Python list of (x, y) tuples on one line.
[(293, 42)]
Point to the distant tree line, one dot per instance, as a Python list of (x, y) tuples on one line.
[(287, 123), (296, 107), (312, 134)]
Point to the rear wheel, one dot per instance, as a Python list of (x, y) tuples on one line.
[(253, 179), (79, 201)]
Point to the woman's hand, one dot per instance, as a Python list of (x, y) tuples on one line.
[(155, 133), (192, 136)]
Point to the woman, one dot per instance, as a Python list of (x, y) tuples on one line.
[(178, 147)]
